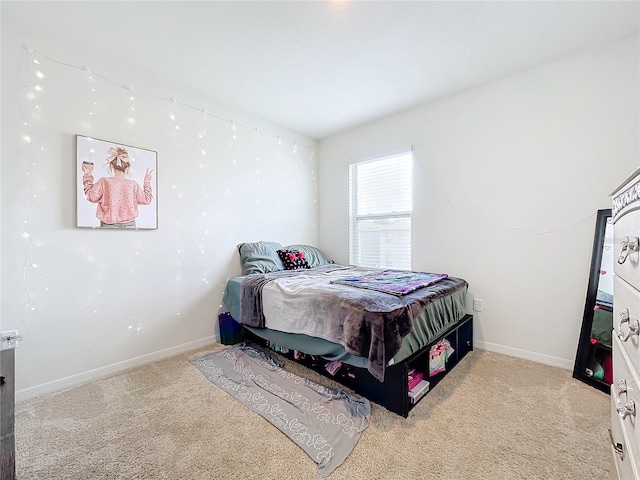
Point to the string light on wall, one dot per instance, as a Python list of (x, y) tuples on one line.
[(203, 137), (198, 154), (204, 197), (229, 188), (133, 284), (93, 297), (173, 115), (89, 72), (234, 138), (92, 95), (155, 97), (179, 270), (134, 256), (296, 163), (131, 119), (33, 88)]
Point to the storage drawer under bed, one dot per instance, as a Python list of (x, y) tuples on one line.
[(393, 393)]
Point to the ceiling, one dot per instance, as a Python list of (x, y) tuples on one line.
[(320, 67)]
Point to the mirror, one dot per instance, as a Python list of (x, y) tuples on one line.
[(593, 363)]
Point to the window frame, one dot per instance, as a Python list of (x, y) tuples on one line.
[(355, 246)]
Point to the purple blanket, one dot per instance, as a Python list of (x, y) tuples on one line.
[(394, 282)]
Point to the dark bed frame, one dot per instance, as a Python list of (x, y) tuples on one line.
[(393, 393)]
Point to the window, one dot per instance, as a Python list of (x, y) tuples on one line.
[(380, 204)]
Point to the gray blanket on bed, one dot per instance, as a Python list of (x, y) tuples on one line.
[(367, 323), (325, 422)]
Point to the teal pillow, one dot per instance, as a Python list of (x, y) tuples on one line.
[(260, 257), (313, 255)]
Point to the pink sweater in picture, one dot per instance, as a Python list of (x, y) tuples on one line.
[(117, 199)]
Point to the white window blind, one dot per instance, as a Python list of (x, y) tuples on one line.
[(380, 204)]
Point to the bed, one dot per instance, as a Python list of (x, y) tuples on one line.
[(369, 329)]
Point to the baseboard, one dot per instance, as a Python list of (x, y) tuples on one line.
[(102, 372), (524, 354)]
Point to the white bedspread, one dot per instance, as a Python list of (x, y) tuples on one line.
[(293, 304)]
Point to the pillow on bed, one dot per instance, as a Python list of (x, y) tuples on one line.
[(313, 255), (260, 257), (293, 259)]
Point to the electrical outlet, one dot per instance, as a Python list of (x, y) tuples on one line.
[(477, 305), (10, 339)]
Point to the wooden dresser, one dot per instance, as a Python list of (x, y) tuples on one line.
[(625, 392)]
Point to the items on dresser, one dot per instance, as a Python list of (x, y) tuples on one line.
[(625, 395), (593, 357)]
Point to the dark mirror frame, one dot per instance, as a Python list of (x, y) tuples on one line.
[(592, 351)]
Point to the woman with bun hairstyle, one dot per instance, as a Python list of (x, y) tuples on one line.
[(117, 196)]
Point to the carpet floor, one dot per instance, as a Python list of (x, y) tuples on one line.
[(493, 417)]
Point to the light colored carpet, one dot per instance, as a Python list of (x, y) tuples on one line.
[(494, 417)]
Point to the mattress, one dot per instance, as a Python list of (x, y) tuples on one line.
[(436, 317)]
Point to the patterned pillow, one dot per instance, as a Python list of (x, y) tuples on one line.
[(293, 259)]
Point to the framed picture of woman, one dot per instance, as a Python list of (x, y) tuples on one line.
[(117, 185)]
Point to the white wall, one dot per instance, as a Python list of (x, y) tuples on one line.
[(508, 179), (91, 301)]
